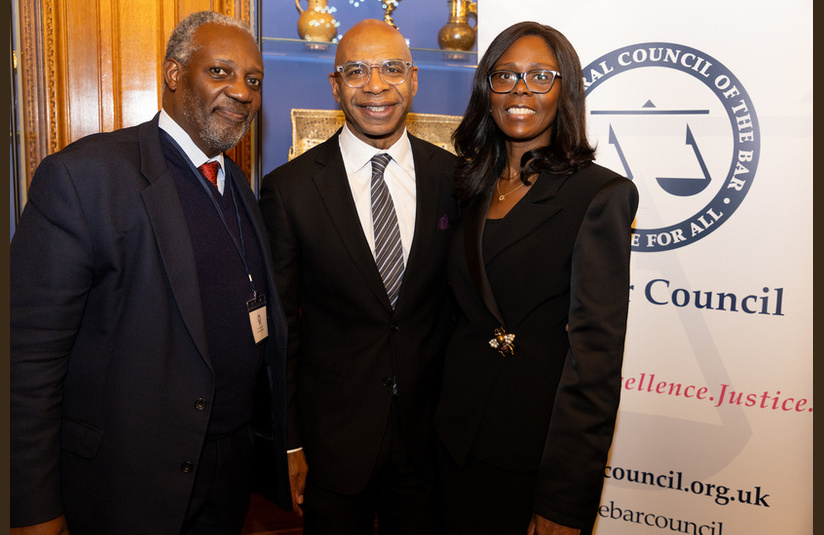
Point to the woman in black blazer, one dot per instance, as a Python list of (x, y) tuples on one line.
[(539, 268)]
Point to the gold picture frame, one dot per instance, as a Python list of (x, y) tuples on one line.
[(313, 127)]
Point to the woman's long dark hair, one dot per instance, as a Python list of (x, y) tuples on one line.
[(480, 143)]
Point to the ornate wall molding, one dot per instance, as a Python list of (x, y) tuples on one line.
[(33, 91), (72, 76)]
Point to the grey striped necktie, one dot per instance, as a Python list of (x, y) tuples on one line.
[(388, 252)]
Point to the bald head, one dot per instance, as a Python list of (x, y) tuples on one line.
[(371, 35)]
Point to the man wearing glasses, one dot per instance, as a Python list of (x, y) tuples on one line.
[(359, 227)]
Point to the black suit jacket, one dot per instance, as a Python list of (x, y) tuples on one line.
[(560, 256), (345, 341), (109, 354)]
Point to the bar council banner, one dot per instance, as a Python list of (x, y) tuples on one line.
[(707, 106)]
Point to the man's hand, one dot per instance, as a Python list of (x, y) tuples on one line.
[(52, 527), (543, 526), (297, 479)]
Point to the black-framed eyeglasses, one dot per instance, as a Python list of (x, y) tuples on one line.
[(537, 81), (357, 73)]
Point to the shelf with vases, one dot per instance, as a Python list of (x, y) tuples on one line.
[(319, 50)]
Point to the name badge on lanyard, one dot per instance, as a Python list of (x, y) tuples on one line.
[(257, 317)]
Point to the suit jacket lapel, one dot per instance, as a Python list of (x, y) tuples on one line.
[(473, 236), (172, 235), (332, 184), (427, 193), (531, 211)]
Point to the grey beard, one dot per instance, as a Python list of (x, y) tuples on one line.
[(219, 139), (223, 140)]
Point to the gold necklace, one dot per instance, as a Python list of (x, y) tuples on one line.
[(502, 196)]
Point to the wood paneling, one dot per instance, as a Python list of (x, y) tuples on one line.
[(96, 65)]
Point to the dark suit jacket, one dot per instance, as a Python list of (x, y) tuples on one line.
[(345, 340), (561, 255), (108, 348)]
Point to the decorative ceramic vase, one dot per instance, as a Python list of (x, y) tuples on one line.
[(316, 23), (457, 34)]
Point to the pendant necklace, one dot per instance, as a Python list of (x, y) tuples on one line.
[(502, 196)]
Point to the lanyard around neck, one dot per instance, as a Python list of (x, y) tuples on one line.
[(228, 183)]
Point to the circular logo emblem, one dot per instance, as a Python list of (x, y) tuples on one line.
[(682, 127)]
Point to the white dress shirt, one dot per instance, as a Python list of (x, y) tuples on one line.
[(192, 151), (399, 177)]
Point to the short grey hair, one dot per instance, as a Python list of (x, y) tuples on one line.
[(180, 46)]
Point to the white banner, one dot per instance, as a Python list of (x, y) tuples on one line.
[(708, 106)]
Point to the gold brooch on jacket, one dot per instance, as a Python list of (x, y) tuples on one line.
[(503, 342)]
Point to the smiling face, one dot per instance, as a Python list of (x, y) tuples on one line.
[(375, 112), (526, 118), (215, 97)]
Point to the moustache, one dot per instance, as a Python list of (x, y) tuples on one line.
[(233, 107)]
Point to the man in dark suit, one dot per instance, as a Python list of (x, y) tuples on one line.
[(143, 312), (363, 285)]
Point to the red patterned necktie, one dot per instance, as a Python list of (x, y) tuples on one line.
[(209, 170)]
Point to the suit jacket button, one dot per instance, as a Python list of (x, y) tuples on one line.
[(394, 327), (200, 404), (187, 467)]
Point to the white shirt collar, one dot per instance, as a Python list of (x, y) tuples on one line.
[(358, 153), (192, 151)]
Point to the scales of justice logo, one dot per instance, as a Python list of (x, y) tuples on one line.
[(681, 126)]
